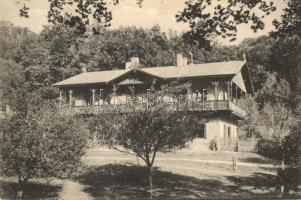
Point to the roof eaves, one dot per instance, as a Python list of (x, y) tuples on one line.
[(126, 72), (185, 77), (151, 74)]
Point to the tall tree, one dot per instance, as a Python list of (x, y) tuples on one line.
[(14, 41), (113, 48), (276, 123)]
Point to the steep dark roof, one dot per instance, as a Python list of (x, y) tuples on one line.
[(197, 70), (168, 72), (92, 77)]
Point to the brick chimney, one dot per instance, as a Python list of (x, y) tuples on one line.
[(181, 61), (134, 63), (84, 69)]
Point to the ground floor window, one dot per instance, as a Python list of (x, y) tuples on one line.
[(201, 131), (227, 132)]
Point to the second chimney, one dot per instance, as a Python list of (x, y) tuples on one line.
[(179, 60), (84, 69), (134, 63)]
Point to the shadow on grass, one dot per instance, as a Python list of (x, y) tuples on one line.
[(131, 182), (32, 190), (258, 160)]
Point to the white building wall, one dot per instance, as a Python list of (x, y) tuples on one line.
[(216, 128), (213, 129)]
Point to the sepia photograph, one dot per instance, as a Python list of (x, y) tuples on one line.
[(150, 99)]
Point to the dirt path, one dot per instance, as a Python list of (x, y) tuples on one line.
[(73, 191)]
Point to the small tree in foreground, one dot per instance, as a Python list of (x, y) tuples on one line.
[(144, 133), (41, 144)]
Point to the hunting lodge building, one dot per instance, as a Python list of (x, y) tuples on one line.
[(215, 88)]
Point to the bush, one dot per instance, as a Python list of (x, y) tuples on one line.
[(269, 148), (288, 151), (40, 145), (289, 177)]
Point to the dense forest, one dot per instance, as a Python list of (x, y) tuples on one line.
[(33, 62), (60, 51), (63, 52)]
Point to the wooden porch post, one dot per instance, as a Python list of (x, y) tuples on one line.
[(228, 90), (231, 91), (215, 83), (100, 96), (235, 93), (147, 98), (70, 98), (228, 93), (203, 98), (93, 97), (114, 93), (61, 98), (189, 97)]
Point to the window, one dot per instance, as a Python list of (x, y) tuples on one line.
[(201, 131), (229, 132)]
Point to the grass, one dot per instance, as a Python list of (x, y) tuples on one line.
[(204, 155), (113, 175), (33, 190), (126, 181)]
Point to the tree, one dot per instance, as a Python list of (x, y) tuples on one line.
[(258, 52), (222, 21), (146, 132), (277, 126), (250, 123), (37, 140), (282, 144), (113, 48), (290, 20), (285, 59), (208, 18), (82, 12), (41, 144), (12, 39), (11, 79)]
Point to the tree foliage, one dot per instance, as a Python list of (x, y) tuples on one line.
[(41, 143), (290, 20), (37, 140), (81, 14), (13, 40), (208, 18), (11, 79), (285, 59), (146, 132)]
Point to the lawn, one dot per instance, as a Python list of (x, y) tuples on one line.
[(180, 175)]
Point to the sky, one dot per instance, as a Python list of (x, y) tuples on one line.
[(128, 13)]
